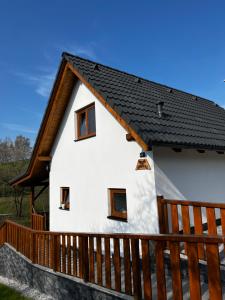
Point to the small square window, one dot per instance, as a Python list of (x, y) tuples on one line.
[(86, 122), (118, 203), (65, 198)]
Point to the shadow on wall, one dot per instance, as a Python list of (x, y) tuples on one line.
[(142, 209), (165, 187)]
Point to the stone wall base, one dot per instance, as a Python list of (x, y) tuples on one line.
[(15, 266)]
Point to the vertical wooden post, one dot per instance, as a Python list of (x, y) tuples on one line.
[(161, 217), (31, 204), (33, 247), (56, 253), (136, 268), (85, 258), (5, 233)]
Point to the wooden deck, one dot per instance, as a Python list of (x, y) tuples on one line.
[(185, 261), (144, 266)]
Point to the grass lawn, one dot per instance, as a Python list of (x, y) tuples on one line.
[(7, 206), (10, 294)]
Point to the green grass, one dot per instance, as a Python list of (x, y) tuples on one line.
[(7, 206), (10, 294)]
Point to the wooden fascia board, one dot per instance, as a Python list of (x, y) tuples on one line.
[(44, 158), (61, 75), (137, 138), (65, 66)]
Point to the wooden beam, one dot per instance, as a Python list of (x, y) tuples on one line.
[(64, 76), (177, 149), (40, 192), (201, 151), (44, 158), (31, 203), (124, 124), (129, 137), (220, 152)]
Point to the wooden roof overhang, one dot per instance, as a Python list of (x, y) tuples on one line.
[(67, 76), (37, 171)]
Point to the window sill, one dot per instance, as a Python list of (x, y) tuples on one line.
[(117, 219), (64, 208), (84, 137)]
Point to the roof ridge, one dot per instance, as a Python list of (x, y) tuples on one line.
[(64, 54)]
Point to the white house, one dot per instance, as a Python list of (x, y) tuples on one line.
[(110, 142)]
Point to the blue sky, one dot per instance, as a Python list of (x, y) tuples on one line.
[(178, 43)]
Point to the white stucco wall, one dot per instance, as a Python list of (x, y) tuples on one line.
[(91, 166), (190, 175)]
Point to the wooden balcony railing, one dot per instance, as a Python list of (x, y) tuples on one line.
[(136, 265), (191, 217), (38, 222), (182, 212)]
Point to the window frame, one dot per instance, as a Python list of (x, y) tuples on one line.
[(78, 114), (67, 207), (114, 214)]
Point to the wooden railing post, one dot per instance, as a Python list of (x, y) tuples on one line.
[(135, 260), (3, 234), (33, 248), (85, 259), (55, 253), (6, 232), (17, 238), (161, 215), (136, 268), (31, 203)]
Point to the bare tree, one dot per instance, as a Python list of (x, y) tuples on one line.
[(22, 148), (18, 200), (14, 157)]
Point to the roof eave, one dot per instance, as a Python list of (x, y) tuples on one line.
[(26, 175), (187, 146)]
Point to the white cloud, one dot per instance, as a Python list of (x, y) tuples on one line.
[(19, 128), (42, 82), (87, 50), (42, 79), (90, 53)]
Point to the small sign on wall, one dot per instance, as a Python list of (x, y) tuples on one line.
[(143, 164)]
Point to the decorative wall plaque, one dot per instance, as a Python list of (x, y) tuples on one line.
[(143, 164)]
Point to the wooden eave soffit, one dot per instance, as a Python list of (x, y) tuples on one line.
[(44, 158)]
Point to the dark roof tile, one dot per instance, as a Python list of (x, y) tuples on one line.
[(189, 120)]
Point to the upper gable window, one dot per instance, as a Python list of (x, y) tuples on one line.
[(86, 122)]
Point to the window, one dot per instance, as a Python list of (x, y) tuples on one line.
[(86, 122), (118, 204), (65, 198)]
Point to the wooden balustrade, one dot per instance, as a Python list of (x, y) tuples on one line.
[(191, 217), (188, 216), (38, 222), (127, 263)]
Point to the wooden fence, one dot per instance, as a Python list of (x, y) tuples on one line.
[(191, 217), (38, 222), (136, 265), (181, 212)]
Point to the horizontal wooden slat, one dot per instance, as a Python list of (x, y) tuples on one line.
[(58, 250), (153, 237), (194, 203)]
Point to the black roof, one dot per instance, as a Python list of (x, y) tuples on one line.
[(188, 120)]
